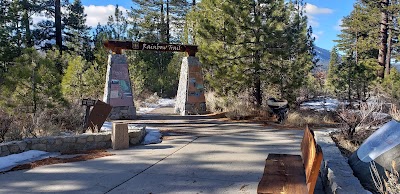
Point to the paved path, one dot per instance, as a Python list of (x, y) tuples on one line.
[(198, 155)]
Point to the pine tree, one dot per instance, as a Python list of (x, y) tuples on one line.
[(156, 21), (117, 25), (249, 45), (359, 42), (31, 83), (77, 32), (298, 57), (72, 84), (332, 77)]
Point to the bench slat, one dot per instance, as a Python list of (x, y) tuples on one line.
[(312, 157), (293, 173), (283, 174)]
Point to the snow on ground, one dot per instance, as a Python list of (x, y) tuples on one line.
[(153, 136), (10, 161), (162, 102), (320, 104), (107, 126)]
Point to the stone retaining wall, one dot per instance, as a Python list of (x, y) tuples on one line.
[(337, 176), (74, 143)]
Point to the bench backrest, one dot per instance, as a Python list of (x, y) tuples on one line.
[(311, 154)]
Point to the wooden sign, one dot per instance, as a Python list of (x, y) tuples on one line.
[(98, 115), (88, 102), (118, 46)]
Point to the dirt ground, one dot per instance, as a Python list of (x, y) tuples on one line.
[(348, 146), (68, 157)]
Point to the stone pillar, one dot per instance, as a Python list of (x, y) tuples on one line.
[(118, 90), (120, 136), (190, 97)]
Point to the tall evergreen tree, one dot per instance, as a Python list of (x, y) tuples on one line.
[(118, 25), (359, 42), (332, 80), (32, 83), (249, 45), (77, 38), (58, 27)]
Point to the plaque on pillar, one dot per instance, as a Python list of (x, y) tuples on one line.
[(190, 97), (118, 90)]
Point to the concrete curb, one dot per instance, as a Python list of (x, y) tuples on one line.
[(337, 175)]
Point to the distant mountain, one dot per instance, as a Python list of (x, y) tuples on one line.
[(324, 57)]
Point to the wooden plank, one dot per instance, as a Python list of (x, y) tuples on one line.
[(118, 45), (283, 174), (291, 173), (312, 157)]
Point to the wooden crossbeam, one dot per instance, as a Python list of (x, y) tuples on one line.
[(117, 46)]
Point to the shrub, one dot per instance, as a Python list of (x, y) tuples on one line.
[(45, 122), (236, 107), (368, 116), (5, 122)]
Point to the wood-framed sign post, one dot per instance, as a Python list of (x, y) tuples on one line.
[(190, 97), (88, 103)]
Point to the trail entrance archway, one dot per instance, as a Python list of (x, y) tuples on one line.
[(118, 91)]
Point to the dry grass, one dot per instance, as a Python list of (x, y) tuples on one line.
[(388, 185), (236, 107), (311, 118), (348, 146), (394, 112), (5, 122), (45, 122)]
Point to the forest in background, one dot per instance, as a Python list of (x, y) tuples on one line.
[(250, 50)]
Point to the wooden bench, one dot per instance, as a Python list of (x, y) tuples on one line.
[(291, 174)]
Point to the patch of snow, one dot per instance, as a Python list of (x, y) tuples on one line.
[(162, 102), (153, 136), (144, 110), (107, 126), (10, 161), (320, 104), (165, 102)]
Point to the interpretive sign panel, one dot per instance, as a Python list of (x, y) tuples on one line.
[(121, 92)]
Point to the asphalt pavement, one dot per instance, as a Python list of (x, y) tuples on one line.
[(197, 155)]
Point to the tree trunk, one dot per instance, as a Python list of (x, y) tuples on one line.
[(162, 22), (389, 50), (349, 84), (384, 37), (34, 95), (167, 27), (257, 90), (26, 23), (58, 25)]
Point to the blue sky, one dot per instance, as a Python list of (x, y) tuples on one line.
[(324, 16)]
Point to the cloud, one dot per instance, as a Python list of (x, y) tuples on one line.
[(39, 17), (95, 14), (312, 11), (99, 14), (338, 26), (312, 21), (318, 34)]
